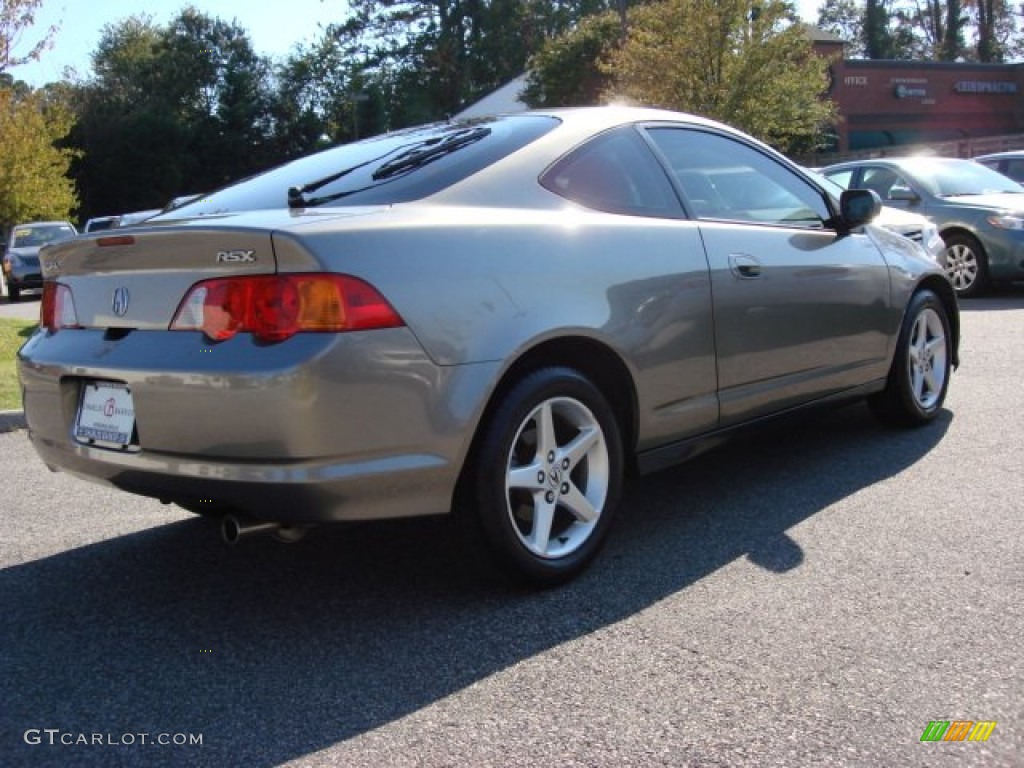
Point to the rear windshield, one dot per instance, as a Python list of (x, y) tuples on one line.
[(391, 168)]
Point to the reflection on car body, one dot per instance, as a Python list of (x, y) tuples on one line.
[(496, 330)]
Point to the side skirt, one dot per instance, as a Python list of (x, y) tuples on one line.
[(675, 453)]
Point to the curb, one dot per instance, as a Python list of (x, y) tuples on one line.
[(12, 420)]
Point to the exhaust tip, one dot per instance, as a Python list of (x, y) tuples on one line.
[(230, 529)]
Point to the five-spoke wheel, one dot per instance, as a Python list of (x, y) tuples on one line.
[(919, 376), (546, 477)]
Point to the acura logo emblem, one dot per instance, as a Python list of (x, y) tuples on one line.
[(120, 302)]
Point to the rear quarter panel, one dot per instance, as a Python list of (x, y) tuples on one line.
[(478, 285)]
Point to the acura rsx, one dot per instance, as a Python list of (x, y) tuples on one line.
[(492, 318)]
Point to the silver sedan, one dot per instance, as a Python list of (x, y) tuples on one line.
[(494, 318)]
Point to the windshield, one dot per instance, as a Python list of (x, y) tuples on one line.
[(34, 237), (391, 168), (945, 177)]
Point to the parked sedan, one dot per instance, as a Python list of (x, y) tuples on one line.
[(493, 318), (913, 226), (1007, 163), (20, 262), (980, 213)]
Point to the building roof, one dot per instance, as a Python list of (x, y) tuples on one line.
[(505, 99)]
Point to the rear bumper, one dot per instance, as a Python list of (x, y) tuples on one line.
[(319, 428), (307, 491)]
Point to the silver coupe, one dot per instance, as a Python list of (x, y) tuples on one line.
[(493, 318)]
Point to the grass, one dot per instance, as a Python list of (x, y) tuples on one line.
[(13, 333)]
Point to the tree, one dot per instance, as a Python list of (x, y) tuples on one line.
[(429, 58), (171, 110), (566, 71), (33, 172), (16, 18), (845, 20), (742, 62), (936, 30)]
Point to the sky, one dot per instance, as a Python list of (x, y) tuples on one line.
[(274, 26)]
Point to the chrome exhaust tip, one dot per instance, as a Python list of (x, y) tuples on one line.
[(233, 528)]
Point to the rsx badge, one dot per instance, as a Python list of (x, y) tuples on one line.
[(235, 257)]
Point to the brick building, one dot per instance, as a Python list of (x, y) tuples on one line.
[(888, 103)]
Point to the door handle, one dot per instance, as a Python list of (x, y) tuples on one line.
[(744, 266)]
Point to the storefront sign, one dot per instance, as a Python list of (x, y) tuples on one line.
[(985, 86)]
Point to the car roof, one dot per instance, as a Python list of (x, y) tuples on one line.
[(999, 155), (906, 161), (44, 224)]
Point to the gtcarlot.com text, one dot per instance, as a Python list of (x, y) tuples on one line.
[(55, 737)]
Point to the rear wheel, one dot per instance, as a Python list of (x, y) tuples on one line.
[(966, 265), (919, 376), (545, 480)]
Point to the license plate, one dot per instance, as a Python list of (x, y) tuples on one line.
[(106, 413)]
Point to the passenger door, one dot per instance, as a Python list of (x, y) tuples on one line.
[(798, 308)]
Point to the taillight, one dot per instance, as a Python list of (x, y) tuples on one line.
[(276, 307), (58, 308)]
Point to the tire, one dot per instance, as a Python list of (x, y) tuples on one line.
[(544, 481), (966, 265), (13, 294), (919, 376)]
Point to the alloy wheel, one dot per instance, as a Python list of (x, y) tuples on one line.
[(557, 478), (926, 359)]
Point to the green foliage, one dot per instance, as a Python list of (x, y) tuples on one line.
[(171, 110), (742, 62), (936, 30), (33, 180), (430, 58), (566, 71), (13, 333)]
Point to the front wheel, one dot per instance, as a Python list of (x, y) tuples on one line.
[(545, 479), (966, 265), (13, 294), (919, 375)]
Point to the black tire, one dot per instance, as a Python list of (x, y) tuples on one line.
[(966, 265), (513, 484), (919, 376), (13, 294)]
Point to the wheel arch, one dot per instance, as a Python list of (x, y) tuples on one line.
[(960, 229), (941, 287), (594, 360)]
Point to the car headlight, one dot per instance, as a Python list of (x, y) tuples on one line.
[(1007, 221)]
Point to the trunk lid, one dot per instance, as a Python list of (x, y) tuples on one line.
[(137, 277)]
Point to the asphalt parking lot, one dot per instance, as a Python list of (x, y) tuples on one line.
[(26, 309), (812, 596)]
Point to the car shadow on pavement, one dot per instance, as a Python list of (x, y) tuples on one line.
[(273, 652)]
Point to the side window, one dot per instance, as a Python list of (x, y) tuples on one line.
[(886, 182), (722, 178), (1015, 169), (615, 172), (843, 178)]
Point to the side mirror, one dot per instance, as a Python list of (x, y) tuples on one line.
[(859, 206), (903, 193)]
